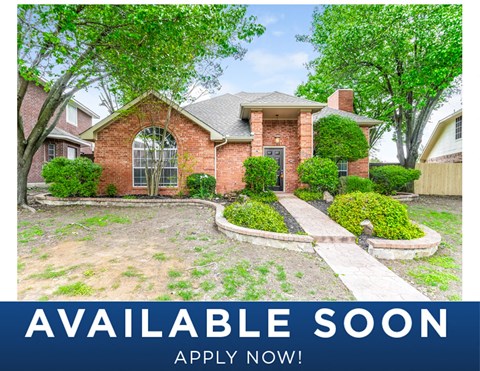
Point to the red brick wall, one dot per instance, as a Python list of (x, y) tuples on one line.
[(288, 138), (230, 168), (113, 148), (342, 99), (360, 167), (30, 110)]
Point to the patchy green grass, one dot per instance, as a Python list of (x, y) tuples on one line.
[(94, 221), (446, 223), (196, 273), (431, 277), (50, 272), (29, 234), (20, 266), (207, 258), (207, 286), (443, 261), (190, 238), (75, 289), (186, 294), (44, 256), (89, 273), (133, 272), (160, 256), (454, 297), (299, 274), (43, 298), (172, 273), (164, 297), (244, 279)]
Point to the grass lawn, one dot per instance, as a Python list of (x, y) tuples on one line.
[(438, 276), (157, 253)]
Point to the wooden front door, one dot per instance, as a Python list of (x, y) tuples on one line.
[(277, 155)]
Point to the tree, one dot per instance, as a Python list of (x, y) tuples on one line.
[(402, 61), (132, 48), (339, 138)]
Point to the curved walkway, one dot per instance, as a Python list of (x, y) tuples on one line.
[(365, 276)]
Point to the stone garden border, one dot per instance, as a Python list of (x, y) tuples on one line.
[(405, 249), (405, 197), (256, 237)]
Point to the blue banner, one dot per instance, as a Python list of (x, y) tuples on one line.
[(239, 336)]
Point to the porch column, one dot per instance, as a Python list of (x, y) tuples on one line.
[(305, 134), (256, 125)]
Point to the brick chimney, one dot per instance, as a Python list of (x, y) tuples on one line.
[(342, 99)]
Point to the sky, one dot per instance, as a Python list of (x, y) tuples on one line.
[(275, 61)]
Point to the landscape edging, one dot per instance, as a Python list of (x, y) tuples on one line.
[(254, 236)]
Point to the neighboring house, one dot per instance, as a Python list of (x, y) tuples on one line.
[(219, 133), (445, 143), (64, 139)]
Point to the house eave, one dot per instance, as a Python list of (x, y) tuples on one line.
[(246, 108), (70, 139)]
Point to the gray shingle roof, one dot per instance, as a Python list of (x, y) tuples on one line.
[(332, 111), (58, 133), (222, 113)]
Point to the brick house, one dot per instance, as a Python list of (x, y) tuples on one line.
[(64, 139), (219, 134)]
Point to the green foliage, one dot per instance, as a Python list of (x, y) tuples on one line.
[(260, 173), (111, 190), (307, 194), (29, 234), (201, 185), (370, 49), (352, 183), (392, 178), (339, 138), (75, 289), (389, 217), (432, 277), (255, 215), (70, 178), (320, 174), (261, 196)]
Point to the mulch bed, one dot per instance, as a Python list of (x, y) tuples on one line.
[(320, 205)]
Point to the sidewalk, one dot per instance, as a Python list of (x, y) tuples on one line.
[(365, 277)]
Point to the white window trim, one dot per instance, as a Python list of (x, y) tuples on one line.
[(76, 152), (133, 167), (461, 128), (339, 169), (69, 119)]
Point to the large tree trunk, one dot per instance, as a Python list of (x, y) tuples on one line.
[(22, 175)]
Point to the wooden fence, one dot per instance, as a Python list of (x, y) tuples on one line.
[(439, 179)]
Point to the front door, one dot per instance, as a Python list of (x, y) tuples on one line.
[(277, 155)]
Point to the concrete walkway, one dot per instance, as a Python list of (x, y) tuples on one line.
[(365, 277)]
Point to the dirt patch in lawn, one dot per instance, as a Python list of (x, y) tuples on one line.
[(438, 276), (157, 253)]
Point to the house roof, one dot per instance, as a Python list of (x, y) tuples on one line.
[(360, 120), (91, 133), (437, 132), (58, 133)]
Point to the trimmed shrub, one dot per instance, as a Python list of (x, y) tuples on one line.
[(307, 194), (201, 185), (72, 178), (339, 138), (320, 174), (111, 190), (267, 196), (388, 216), (260, 173), (353, 183), (392, 178), (255, 215)]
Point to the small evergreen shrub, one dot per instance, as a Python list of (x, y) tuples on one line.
[(388, 216), (352, 183), (260, 173), (392, 178), (307, 194), (72, 178), (261, 196), (201, 185), (255, 215), (320, 174), (111, 190)]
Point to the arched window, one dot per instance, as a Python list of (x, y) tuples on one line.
[(146, 147)]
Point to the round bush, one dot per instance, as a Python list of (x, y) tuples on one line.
[(72, 178), (307, 194), (389, 217), (260, 173), (201, 185), (352, 183), (255, 215), (267, 196), (320, 174), (339, 138), (392, 178), (111, 190)]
